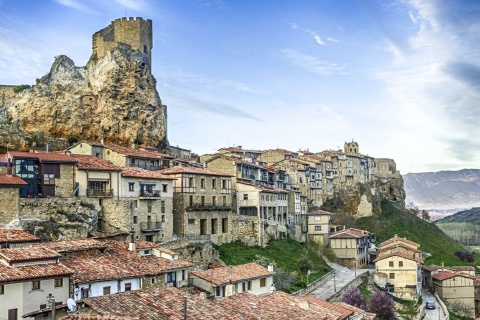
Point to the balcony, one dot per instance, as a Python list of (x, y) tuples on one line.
[(100, 193), (207, 207), (198, 237), (150, 226), (149, 194)]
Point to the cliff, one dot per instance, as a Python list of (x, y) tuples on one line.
[(114, 97), (365, 199)]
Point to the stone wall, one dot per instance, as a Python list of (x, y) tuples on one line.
[(9, 210), (200, 253), (65, 185), (245, 229)]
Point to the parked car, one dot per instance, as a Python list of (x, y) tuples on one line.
[(430, 305)]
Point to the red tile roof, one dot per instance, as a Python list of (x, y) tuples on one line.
[(28, 253), (17, 273), (96, 317), (398, 239), (319, 213), (86, 162), (444, 275), (11, 180), (193, 170), (75, 245), (131, 152), (399, 254), (349, 233), (16, 236), (221, 276), (42, 156), (143, 173)]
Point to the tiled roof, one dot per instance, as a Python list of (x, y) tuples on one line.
[(104, 235), (96, 317), (164, 265), (193, 170), (11, 180), (220, 276), (14, 273), (129, 151), (319, 213), (444, 275), (399, 254), (86, 162), (349, 233), (15, 236), (28, 253), (398, 239), (396, 246), (142, 244), (42, 156), (143, 173), (235, 159), (75, 245)]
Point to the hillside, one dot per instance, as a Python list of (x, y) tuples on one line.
[(428, 235), (449, 191), (463, 226), (470, 216)]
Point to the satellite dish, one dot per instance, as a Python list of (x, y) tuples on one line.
[(71, 305)]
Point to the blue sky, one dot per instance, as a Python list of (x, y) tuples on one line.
[(402, 78)]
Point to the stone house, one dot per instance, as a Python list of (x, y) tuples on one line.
[(429, 271), (385, 167), (351, 247), (244, 153), (456, 290), (179, 153), (227, 281), (202, 204), (123, 156), (10, 197), (26, 278), (10, 238), (273, 156), (297, 219), (47, 174), (399, 268), (319, 226)]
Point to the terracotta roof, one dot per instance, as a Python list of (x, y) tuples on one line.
[(398, 239), (86, 162), (444, 275), (221, 276), (75, 245), (237, 160), (96, 317), (263, 188), (44, 270), (28, 253), (143, 173), (349, 233), (105, 235), (11, 180), (395, 246), (398, 254), (319, 213), (42, 156), (129, 151), (142, 244), (16, 236), (356, 311), (193, 170), (37, 312)]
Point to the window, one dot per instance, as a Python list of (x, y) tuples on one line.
[(224, 201), (2, 289), (225, 226), (400, 263), (390, 264), (58, 283), (191, 221), (214, 183), (224, 184), (317, 218), (244, 286), (391, 275), (190, 201), (318, 228), (154, 280), (214, 201), (128, 286), (131, 186), (149, 206), (164, 187), (48, 178), (202, 200), (135, 204), (214, 226), (145, 49), (135, 220), (36, 285), (84, 293), (162, 207), (263, 282), (249, 285), (202, 183), (245, 196), (190, 182), (106, 290), (163, 218)]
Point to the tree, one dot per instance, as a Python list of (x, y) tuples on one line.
[(382, 305), (353, 297), (425, 215)]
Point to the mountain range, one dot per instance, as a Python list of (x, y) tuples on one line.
[(444, 192)]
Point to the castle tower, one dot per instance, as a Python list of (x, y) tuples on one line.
[(135, 33), (351, 147)]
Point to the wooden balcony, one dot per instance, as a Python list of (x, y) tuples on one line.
[(155, 194), (208, 207), (150, 226)]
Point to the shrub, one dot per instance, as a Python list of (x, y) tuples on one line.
[(21, 88), (353, 297), (381, 304)]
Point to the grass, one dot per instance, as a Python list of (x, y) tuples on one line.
[(431, 239), (291, 256)]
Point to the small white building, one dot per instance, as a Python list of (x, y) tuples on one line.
[(226, 281)]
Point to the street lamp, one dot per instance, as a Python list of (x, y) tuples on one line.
[(51, 304), (355, 267), (334, 284)]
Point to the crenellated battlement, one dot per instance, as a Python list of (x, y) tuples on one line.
[(134, 32)]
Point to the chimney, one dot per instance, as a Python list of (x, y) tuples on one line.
[(203, 296), (270, 267), (102, 141), (132, 246), (304, 304)]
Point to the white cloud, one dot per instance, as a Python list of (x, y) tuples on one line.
[(318, 39), (74, 4), (137, 5), (332, 39), (312, 64)]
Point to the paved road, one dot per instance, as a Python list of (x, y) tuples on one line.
[(432, 314), (343, 276)]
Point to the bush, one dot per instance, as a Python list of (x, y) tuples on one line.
[(21, 88), (353, 297), (381, 304)]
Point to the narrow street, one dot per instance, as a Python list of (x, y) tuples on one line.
[(432, 314)]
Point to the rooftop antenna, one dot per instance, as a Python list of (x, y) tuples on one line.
[(71, 305)]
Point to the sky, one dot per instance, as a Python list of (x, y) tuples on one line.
[(400, 77)]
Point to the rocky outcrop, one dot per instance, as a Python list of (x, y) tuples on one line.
[(113, 97), (364, 199)]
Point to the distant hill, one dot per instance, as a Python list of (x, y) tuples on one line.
[(444, 190), (469, 216)]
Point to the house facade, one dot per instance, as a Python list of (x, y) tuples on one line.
[(456, 290), (319, 227), (351, 247)]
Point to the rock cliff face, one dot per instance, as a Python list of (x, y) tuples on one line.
[(364, 199), (113, 97)]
